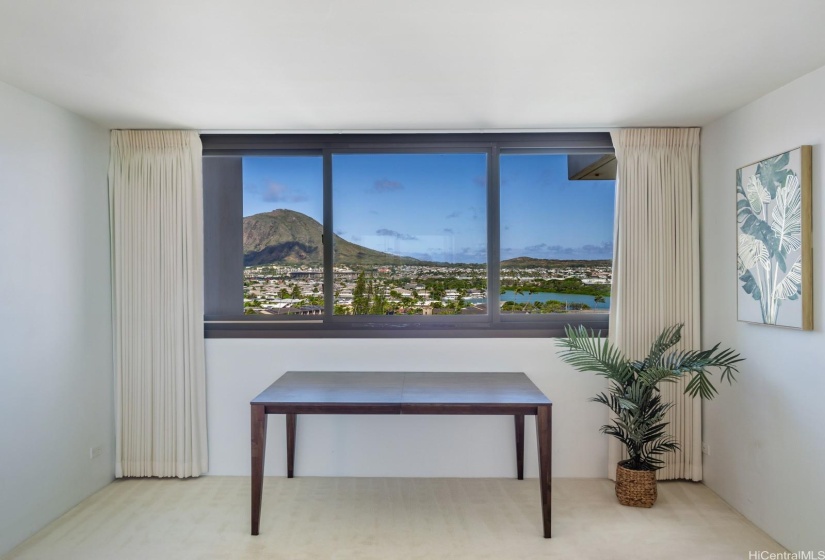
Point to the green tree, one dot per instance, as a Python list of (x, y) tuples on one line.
[(360, 298), (528, 304), (437, 291), (379, 305)]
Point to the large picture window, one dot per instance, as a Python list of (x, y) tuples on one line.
[(407, 235)]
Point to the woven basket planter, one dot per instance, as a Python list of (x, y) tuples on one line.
[(635, 488)]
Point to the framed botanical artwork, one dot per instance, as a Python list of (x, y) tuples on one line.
[(773, 241)]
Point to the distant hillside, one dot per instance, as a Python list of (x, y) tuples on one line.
[(288, 237), (530, 262)]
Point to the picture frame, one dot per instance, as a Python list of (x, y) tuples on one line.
[(774, 251)]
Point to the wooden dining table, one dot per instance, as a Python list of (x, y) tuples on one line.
[(383, 392)]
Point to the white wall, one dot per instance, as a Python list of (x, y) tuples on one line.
[(56, 394), (426, 446), (765, 433)]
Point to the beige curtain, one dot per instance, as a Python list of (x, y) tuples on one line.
[(156, 221), (656, 268)]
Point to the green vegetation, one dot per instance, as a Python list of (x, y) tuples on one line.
[(368, 298), (551, 306), (530, 262), (437, 285), (566, 286)]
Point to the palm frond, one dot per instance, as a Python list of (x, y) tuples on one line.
[(727, 374), (617, 433), (697, 362), (650, 456), (657, 374), (701, 385), (588, 351), (666, 340), (611, 401)]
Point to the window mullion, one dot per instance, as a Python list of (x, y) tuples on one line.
[(328, 239)]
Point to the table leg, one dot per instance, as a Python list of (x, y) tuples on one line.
[(291, 420), (544, 437), (520, 445), (258, 414)]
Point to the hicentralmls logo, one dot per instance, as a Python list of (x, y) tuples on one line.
[(801, 555)]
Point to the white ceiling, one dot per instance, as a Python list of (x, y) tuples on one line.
[(411, 65)]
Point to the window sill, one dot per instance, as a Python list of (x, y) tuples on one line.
[(507, 328)]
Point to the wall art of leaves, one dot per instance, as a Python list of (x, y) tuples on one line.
[(773, 216)]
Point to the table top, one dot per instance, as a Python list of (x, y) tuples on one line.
[(402, 388)]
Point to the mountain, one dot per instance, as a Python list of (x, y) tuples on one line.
[(530, 262), (289, 237)]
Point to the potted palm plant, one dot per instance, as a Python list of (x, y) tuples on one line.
[(636, 401)]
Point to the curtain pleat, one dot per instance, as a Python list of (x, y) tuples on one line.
[(156, 217), (656, 269)]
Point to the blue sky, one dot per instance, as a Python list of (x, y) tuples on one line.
[(433, 206), (295, 183), (543, 215)]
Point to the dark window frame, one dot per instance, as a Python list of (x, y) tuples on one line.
[(328, 325)]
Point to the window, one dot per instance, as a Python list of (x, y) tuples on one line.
[(407, 235), (283, 212), (410, 233), (556, 237)]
